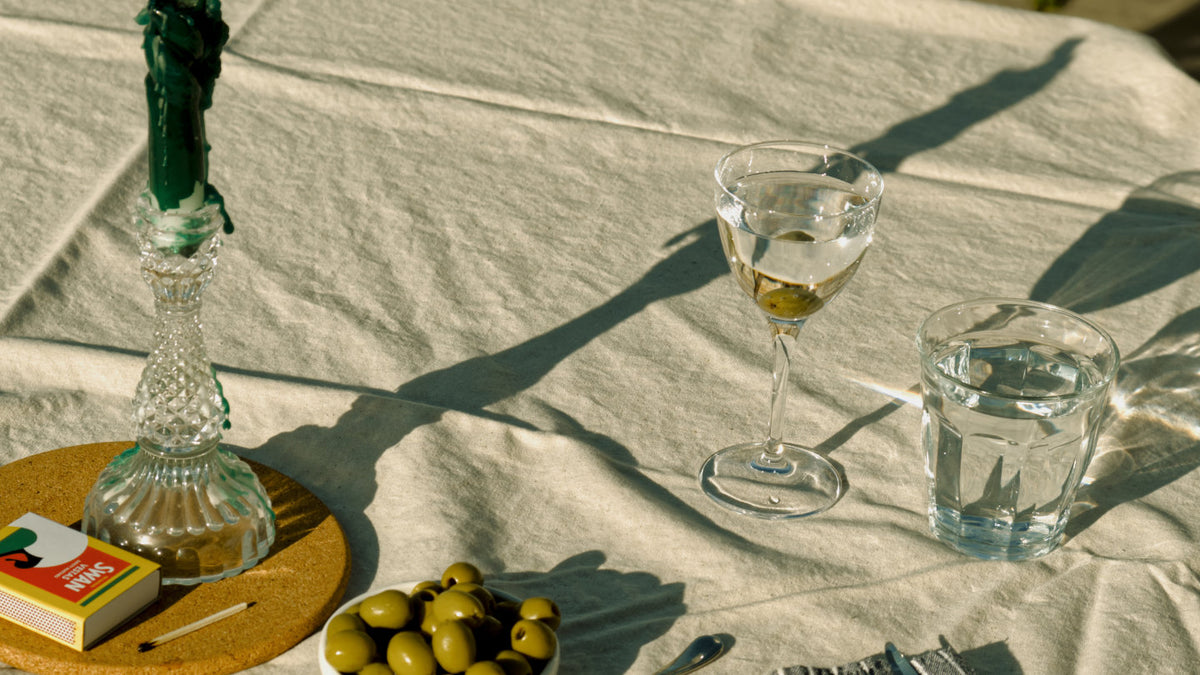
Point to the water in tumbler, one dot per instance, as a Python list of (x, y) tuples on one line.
[(1005, 453)]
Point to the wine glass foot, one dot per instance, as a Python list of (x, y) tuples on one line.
[(795, 483)]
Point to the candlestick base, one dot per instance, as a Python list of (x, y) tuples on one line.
[(176, 497), (203, 516)]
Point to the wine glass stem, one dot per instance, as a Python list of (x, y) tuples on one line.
[(783, 336)]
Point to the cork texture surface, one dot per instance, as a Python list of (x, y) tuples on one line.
[(294, 589)]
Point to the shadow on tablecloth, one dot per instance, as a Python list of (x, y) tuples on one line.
[(379, 420), (992, 659), (609, 615), (1149, 441)]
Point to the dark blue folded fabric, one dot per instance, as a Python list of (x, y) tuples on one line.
[(943, 661)]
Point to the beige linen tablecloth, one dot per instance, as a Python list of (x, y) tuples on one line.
[(475, 300)]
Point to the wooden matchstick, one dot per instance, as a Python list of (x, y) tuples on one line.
[(194, 626)]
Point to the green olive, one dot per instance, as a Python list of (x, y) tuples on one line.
[(349, 651), (453, 626), (343, 622), (426, 616), (533, 638), (457, 605), (490, 637), (514, 663), (508, 611), (461, 573), (386, 609), (433, 587), (485, 668), (409, 654), (790, 302), (484, 595), (424, 595), (453, 646), (542, 609)]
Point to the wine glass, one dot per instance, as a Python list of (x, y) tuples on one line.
[(795, 221)]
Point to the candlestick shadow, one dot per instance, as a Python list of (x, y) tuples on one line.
[(375, 424)]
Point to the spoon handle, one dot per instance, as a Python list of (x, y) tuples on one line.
[(703, 650)]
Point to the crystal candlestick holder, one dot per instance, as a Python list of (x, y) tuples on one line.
[(177, 497)]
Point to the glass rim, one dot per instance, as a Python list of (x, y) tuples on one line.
[(1108, 376), (816, 148)]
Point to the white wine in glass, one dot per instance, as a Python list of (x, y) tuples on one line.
[(795, 221)]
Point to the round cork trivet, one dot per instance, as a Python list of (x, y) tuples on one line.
[(294, 589)]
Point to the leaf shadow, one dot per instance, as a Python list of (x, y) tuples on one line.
[(591, 598), (965, 109)]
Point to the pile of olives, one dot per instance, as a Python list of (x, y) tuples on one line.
[(453, 625)]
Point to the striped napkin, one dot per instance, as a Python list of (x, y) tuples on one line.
[(943, 661)]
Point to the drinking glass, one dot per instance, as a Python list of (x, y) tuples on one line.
[(795, 221), (1014, 394)]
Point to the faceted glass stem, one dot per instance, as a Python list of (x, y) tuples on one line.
[(177, 497), (783, 335), (773, 479)]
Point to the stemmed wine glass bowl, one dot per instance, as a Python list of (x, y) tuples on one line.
[(795, 221)]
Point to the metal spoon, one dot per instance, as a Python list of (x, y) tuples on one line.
[(703, 651)]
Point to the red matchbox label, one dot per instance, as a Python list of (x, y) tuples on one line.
[(61, 563), (76, 579)]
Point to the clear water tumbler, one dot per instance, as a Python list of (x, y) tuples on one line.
[(1014, 394)]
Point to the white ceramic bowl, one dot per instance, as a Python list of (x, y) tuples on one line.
[(326, 669)]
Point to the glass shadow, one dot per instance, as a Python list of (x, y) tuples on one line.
[(1153, 434)]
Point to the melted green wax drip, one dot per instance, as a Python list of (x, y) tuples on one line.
[(183, 42), (224, 401)]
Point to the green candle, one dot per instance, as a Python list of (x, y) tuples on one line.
[(183, 41)]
